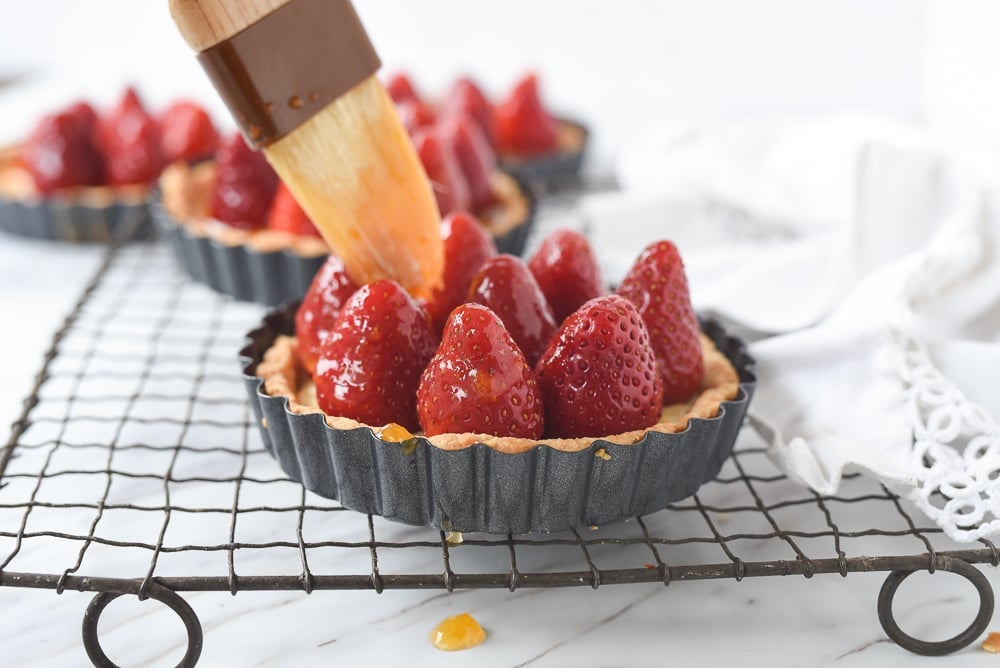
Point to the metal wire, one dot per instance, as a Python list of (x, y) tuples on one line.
[(182, 455)]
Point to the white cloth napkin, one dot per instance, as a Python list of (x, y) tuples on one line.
[(863, 259)]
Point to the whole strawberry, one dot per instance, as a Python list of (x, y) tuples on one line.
[(187, 132), (401, 88), (466, 141), (329, 291), (598, 376), (370, 365), (245, 186), (656, 284), (466, 99), (451, 191), (61, 153), (130, 142), (566, 271), (505, 285), (479, 381), (287, 216), (523, 126), (467, 245)]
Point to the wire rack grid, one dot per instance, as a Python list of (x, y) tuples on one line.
[(137, 468)]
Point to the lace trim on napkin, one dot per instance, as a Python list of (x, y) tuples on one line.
[(956, 448)]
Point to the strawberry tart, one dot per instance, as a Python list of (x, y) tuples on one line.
[(528, 140), (521, 396), (235, 227), (80, 175)]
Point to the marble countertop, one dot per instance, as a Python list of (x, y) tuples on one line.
[(773, 621)]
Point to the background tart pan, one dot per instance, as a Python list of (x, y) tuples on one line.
[(276, 276), (74, 220)]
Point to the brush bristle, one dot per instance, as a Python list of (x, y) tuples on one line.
[(353, 169)]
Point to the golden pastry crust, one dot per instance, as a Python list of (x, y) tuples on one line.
[(283, 376), (187, 194), (17, 184)]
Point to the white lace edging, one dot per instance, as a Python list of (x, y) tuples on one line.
[(956, 448)]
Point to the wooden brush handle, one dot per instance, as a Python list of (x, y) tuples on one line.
[(205, 23)]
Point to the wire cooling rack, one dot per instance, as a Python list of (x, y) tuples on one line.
[(136, 468)]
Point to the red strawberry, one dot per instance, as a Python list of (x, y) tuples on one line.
[(466, 99), (506, 286), (130, 142), (414, 115), (245, 186), (60, 153), (86, 116), (479, 381), (329, 291), (523, 125), (187, 133), (467, 245), (465, 140), (287, 216), (566, 271), (370, 365), (656, 284), (401, 88), (445, 174), (599, 376)]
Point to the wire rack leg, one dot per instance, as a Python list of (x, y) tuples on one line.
[(162, 594), (942, 647)]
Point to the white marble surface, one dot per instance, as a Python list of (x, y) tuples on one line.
[(783, 621)]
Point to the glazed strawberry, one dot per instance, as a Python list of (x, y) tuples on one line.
[(60, 153), (287, 216), (566, 271), (244, 187), (414, 115), (523, 125), (129, 139), (598, 376), (465, 140), (506, 286), (466, 99), (329, 291), (467, 245), (86, 116), (479, 381), (401, 88), (370, 365), (656, 284), (187, 133), (445, 174)]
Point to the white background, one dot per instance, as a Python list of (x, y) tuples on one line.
[(620, 65)]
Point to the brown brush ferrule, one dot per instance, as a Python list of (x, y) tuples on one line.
[(278, 73)]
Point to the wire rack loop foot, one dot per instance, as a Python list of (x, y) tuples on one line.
[(941, 647), (168, 597)]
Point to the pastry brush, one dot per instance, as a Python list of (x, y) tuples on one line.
[(299, 78)]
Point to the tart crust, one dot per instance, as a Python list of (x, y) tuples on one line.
[(187, 193), (284, 376), (17, 184)]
